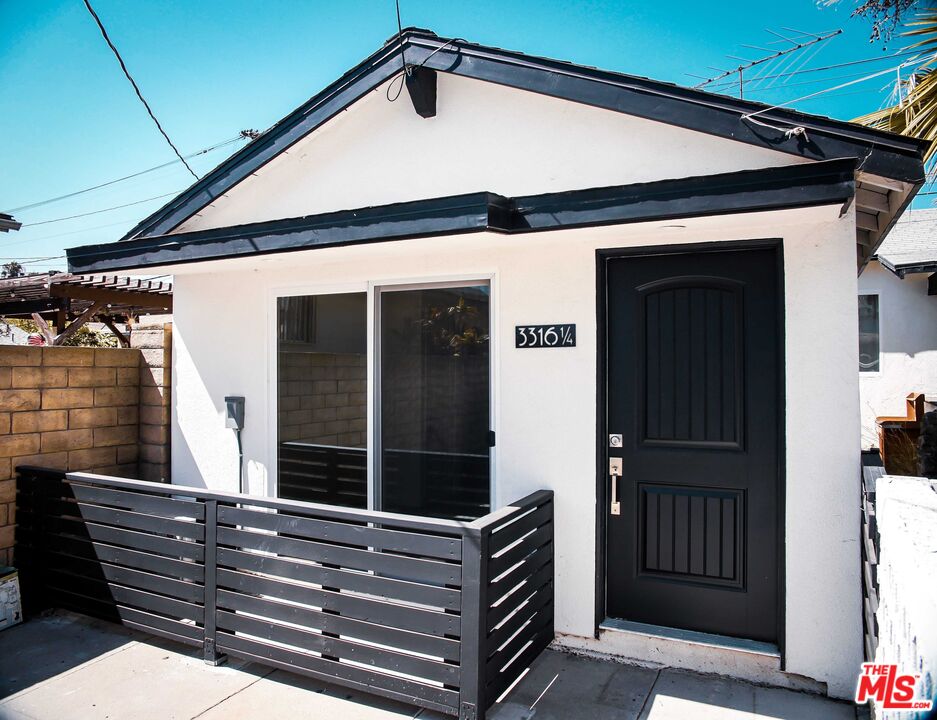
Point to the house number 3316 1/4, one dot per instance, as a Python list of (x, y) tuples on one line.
[(544, 336)]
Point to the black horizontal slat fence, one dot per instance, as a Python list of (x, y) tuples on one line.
[(440, 613), (872, 471)]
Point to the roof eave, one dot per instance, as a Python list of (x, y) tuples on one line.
[(882, 153), (903, 269), (786, 187)]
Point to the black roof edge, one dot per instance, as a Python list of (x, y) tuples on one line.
[(333, 99), (787, 187), (410, 30), (819, 122), (902, 269), (883, 153)]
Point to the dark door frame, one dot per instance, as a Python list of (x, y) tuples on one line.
[(602, 256)]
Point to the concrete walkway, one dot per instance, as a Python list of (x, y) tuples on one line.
[(66, 667)]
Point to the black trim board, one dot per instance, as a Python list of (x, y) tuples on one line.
[(882, 153), (602, 256), (805, 185), (902, 269)]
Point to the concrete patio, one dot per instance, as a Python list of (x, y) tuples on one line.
[(64, 666)]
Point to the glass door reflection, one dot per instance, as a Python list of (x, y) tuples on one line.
[(322, 399), (434, 401)]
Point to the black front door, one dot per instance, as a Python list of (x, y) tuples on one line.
[(693, 343)]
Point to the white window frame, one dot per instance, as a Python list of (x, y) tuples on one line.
[(373, 289), (872, 373)]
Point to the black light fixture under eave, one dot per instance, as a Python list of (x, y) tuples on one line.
[(421, 84)]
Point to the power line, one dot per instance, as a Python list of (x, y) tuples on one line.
[(850, 63), (749, 64), (805, 82), (135, 87), (102, 210), (32, 259), (203, 151), (126, 222), (752, 115)]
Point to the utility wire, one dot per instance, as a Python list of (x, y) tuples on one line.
[(203, 151), (752, 115), (893, 56), (816, 81), (102, 210), (128, 222), (32, 259), (135, 87)]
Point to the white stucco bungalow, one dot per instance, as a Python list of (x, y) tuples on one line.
[(496, 273)]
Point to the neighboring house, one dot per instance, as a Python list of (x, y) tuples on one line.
[(527, 274), (898, 321)]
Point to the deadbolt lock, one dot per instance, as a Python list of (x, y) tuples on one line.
[(614, 440)]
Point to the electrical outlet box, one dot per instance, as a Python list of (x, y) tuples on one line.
[(234, 412)]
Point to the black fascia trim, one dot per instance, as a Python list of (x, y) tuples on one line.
[(883, 153), (620, 92), (473, 212), (902, 269), (794, 186), (806, 185), (316, 111)]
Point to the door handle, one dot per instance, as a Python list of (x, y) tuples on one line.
[(614, 470)]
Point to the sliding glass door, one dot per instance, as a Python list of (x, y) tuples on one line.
[(430, 417), (434, 400), (322, 384)]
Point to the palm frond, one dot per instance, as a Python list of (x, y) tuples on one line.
[(915, 115)]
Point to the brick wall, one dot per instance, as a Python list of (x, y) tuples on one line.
[(322, 398), (155, 345), (65, 408)]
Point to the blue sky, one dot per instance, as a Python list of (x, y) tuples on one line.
[(70, 120)]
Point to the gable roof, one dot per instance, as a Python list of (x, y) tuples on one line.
[(883, 154), (888, 168), (911, 247)]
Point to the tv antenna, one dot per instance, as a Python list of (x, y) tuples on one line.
[(800, 41)]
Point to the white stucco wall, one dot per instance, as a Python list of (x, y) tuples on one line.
[(485, 137), (908, 326), (545, 401)]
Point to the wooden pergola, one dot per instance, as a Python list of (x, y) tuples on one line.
[(60, 303)]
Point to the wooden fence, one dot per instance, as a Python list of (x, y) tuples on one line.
[(439, 613)]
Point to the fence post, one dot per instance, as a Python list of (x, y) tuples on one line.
[(211, 654), (472, 700), (29, 545)]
